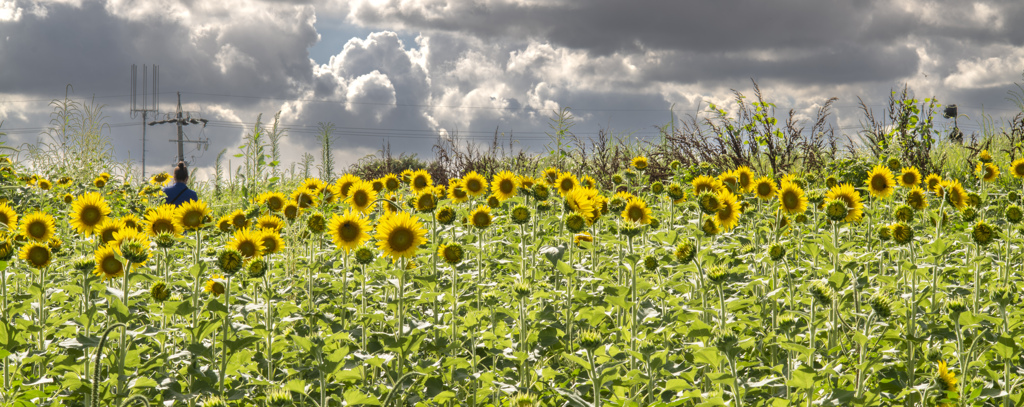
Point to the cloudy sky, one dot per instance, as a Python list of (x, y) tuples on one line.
[(407, 70)]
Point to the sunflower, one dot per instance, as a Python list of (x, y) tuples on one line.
[(916, 199), (954, 193), (933, 181), (215, 286), (901, 233), (238, 219), (132, 221), (270, 222), (304, 197), (481, 217), (391, 182), (588, 181), (456, 192), (988, 172), (946, 378), (504, 185), (400, 234), (551, 175), (290, 210), (377, 184), (850, 197), (248, 242), (38, 226), (316, 223), (36, 254), (163, 219), (637, 212), (579, 200), (361, 196), (425, 202), (728, 215), (520, 214), (349, 231), (474, 184), (270, 241), (730, 180), (420, 180), (192, 214), (44, 184), (1017, 168), (705, 183), (640, 163), (909, 177), (105, 231), (99, 182), (122, 241), (565, 183), (160, 178), (274, 200), (451, 253), (224, 224), (710, 228), (745, 178), (8, 216), (985, 156), (108, 265), (792, 199), (880, 182), (345, 183)]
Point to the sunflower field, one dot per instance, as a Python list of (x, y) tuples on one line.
[(702, 288)]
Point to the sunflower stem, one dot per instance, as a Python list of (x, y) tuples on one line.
[(224, 339)]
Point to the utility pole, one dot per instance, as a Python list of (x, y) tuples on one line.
[(182, 119), (134, 110)]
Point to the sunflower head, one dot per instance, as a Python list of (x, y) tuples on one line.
[(481, 217), (590, 340), (717, 275), (836, 210), (349, 231), (421, 180), (135, 249), (99, 182), (256, 267), (224, 224), (316, 223), (215, 285), (1013, 196), (947, 380), (983, 233), (987, 171), (985, 156), (637, 212), (365, 255), (38, 226), (1004, 294), (904, 213), (657, 188), (304, 197), (704, 183), (551, 174), (541, 192), (710, 228), (400, 234), (520, 214), (68, 198), (579, 238), (776, 252), (954, 193), (290, 210), (917, 199), (575, 222), (391, 182), (1017, 168), (728, 213), (361, 196), (822, 293), (6, 248), (159, 292), (881, 305), (792, 199), (640, 163), (445, 215), (685, 251), (880, 182), (164, 240), (108, 266), (192, 214), (271, 241), (451, 253), (617, 179), (901, 233), (8, 216), (709, 203), (425, 202), (36, 255), (247, 242), (504, 185), (676, 192), (1014, 214), (566, 182), (849, 196)]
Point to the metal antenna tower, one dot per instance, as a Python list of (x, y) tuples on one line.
[(181, 119), (145, 110)]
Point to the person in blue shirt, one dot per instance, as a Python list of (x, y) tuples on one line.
[(179, 192)]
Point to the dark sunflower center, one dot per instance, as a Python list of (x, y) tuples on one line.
[(909, 178), (349, 231), (274, 203), (270, 244), (361, 199), (192, 218), (163, 226), (506, 186), (790, 200), (566, 185), (391, 184), (305, 200), (4, 219), (473, 185), (111, 266), (400, 240), (725, 212), (421, 182), (37, 229), (238, 221), (878, 183), (247, 248), (91, 215), (291, 211), (459, 193), (481, 219), (39, 256), (345, 187), (635, 213)]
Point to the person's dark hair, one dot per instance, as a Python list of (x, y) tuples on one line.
[(180, 172)]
